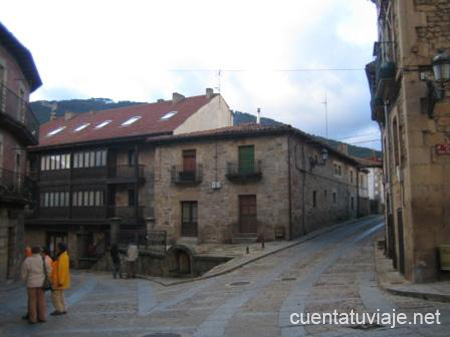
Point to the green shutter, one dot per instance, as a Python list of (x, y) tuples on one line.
[(246, 159)]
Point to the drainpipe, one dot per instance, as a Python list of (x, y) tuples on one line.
[(289, 188), (136, 184), (388, 163)]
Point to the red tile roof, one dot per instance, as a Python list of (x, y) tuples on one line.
[(149, 124)]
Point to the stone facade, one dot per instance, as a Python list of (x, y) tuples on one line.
[(18, 127), (293, 196), (417, 184)]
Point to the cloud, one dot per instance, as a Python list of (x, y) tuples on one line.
[(145, 50)]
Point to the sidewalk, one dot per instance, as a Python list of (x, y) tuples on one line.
[(393, 282), (240, 257)]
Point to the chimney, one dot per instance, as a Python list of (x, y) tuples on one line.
[(343, 148), (209, 93), (69, 115), (258, 116), (53, 115), (176, 98)]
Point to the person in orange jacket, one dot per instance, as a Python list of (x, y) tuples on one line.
[(60, 279)]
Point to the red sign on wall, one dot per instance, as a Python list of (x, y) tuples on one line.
[(443, 149)]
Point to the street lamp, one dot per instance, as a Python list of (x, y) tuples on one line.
[(441, 71), (315, 162)]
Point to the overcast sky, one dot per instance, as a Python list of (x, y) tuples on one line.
[(145, 50)]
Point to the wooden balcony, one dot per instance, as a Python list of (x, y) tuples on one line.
[(17, 117), (15, 187)]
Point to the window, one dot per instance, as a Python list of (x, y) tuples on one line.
[(325, 194), (131, 157), (189, 218), (314, 199), (169, 115), (86, 159), (103, 161), (334, 197), (55, 131), (98, 158), (81, 127), (246, 159), (43, 163), (352, 203), (351, 177), (80, 198), (103, 124), (131, 199), (92, 159), (131, 120), (189, 161)]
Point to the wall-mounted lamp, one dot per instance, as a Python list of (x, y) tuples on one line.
[(441, 71), (313, 161)]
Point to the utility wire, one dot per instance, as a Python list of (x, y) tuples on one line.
[(269, 70)]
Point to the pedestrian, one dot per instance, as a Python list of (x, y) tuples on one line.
[(27, 254), (132, 255), (60, 279), (33, 273), (115, 256), (46, 255)]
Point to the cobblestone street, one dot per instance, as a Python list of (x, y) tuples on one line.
[(334, 271)]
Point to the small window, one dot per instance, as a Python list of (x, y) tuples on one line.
[(81, 127), (86, 198), (46, 199), (131, 120), (47, 163), (131, 199), (131, 157), (325, 193), (98, 158), (86, 159), (52, 199), (91, 198), (55, 131), (169, 115), (103, 161), (314, 199), (103, 124), (43, 163), (57, 162), (80, 198), (92, 159), (334, 197), (352, 203)]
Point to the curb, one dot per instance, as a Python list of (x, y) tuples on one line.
[(414, 294), (298, 241), (407, 293)]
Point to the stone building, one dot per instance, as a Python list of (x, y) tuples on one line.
[(18, 129), (179, 166), (412, 106), (251, 181), (94, 167)]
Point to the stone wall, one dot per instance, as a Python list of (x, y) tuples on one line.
[(420, 201), (333, 192), (218, 208), (11, 222)]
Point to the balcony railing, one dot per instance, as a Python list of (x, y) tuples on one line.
[(385, 82), (126, 172), (180, 176), (15, 186), (244, 172), (18, 110)]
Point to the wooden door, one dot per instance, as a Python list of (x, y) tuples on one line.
[(246, 159), (247, 214), (189, 223)]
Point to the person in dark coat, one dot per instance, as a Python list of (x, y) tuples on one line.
[(115, 256)]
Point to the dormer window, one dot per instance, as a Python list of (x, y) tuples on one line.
[(103, 124), (54, 132), (81, 127), (131, 120), (168, 115)]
